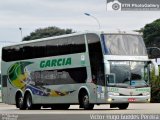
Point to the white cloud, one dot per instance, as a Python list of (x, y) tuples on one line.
[(33, 14)]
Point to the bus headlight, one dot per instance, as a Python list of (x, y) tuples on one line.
[(146, 93), (114, 94), (109, 100)]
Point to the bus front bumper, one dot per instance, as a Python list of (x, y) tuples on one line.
[(128, 99)]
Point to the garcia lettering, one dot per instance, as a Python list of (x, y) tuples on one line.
[(55, 62)]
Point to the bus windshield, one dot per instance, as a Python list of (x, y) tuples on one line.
[(129, 73), (125, 44)]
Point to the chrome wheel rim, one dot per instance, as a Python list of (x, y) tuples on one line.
[(20, 101), (29, 103), (86, 100)]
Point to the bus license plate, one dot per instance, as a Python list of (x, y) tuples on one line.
[(131, 99)]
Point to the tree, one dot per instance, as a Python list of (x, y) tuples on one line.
[(151, 33), (47, 32), (139, 31)]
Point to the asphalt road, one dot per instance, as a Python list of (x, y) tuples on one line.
[(74, 112)]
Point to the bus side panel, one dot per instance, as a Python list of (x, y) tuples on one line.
[(71, 98), (69, 94), (11, 93), (5, 87), (8, 91), (5, 97)]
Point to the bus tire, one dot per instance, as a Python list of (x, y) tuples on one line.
[(29, 103), (84, 99), (123, 106), (60, 106), (20, 102)]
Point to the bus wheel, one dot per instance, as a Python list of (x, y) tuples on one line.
[(20, 103), (29, 103), (85, 102), (60, 107), (123, 106)]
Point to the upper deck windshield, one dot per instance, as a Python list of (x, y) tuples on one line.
[(124, 44)]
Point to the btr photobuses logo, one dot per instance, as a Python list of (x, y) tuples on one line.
[(133, 5), (114, 5)]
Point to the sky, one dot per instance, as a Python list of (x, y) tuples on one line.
[(34, 14)]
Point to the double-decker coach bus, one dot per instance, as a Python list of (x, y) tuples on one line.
[(81, 68)]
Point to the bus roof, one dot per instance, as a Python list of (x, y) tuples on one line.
[(72, 34)]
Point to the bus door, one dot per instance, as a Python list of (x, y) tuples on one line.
[(102, 83), (101, 89)]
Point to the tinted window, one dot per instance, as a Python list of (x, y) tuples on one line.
[(55, 47), (68, 45), (4, 80), (56, 77)]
